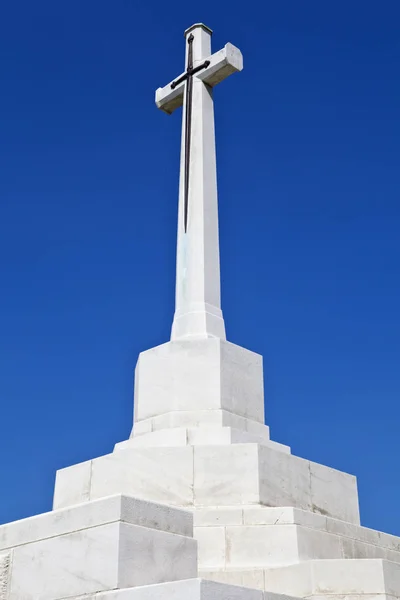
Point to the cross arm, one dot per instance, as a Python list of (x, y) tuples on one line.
[(222, 64), (168, 99)]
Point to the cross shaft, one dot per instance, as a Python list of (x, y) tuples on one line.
[(198, 305), (188, 77)]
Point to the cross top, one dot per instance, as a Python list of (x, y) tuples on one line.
[(198, 306)]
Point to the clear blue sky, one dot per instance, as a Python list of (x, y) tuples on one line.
[(308, 140)]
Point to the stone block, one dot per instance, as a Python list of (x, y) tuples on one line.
[(259, 546), (219, 475), (162, 438), (93, 514), (186, 418), (257, 474), (203, 517), (226, 475), (336, 579), (157, 474), (265, 515), (211, 547), (200, 419), (211, 373), (262, 537), (215, 436), (142, 427), (5, 563), (287, 480), (72, 485), (314, 544), (249, 578), (105, 557), (211, 435), (262, 546), (116, 542), (328, 487), (320, 579), (192, 589)]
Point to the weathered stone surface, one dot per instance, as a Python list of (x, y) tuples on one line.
[(193, 589), (264, 519), (157, 474), (199, 419), (321, 579), (213, 374), (337, 579), (107, 557), (112, 543), (92, 514), (224, 475), (212, 435), (5, 560), (259, 537)]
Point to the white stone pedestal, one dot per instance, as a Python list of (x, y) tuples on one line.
[(199, 383), (266, 522)]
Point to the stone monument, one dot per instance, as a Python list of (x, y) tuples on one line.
[(199, 503)]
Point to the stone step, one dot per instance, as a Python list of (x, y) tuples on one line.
[(262, 537), (199, 436), (113, 543), (192, 589), (199, 476), (357, 579)]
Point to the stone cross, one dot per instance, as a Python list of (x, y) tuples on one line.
[(197, 302)]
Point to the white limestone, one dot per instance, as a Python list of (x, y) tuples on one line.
[(213, 435), (112, 556), (199, 419), (157, 474), (259, 537), (198, 299), (210, 516), (72, 485), (212, 374), (265, 522), (337, 578), (321, 579), (94, 514), (113, 543), (193, 589), (250, 474), (225, 475), (5, 560)]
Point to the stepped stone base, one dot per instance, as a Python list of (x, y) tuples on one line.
[(261, 537), (196, 476), (265, 522), (321, 579), (193, 589), (116, 542)]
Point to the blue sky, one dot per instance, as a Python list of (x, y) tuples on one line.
[(308, 152)]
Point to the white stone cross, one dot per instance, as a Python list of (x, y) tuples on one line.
[(198, 298)]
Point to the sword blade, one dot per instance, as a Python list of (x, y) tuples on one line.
[(188, 121), (188, 128), (188, 131)]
